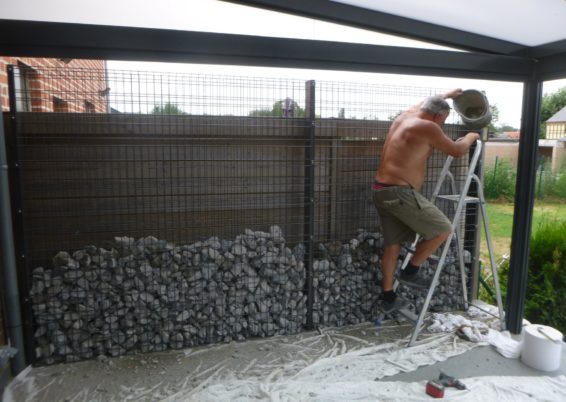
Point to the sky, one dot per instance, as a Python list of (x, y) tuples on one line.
[(218, 16), (507, 96)]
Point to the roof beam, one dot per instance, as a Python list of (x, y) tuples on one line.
[(551, 60), (388, 23), (552, 67), (548, 49), (49, 39)]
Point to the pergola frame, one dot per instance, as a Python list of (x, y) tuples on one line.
[(484, 58)]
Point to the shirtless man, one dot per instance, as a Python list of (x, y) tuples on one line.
[(402, 209)]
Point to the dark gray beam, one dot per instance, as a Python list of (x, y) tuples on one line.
[(47, 39), (551, 60), (548, 49), (524, 201), (388, 23), (553, 67)]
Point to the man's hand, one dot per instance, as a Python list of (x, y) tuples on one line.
[(473, 137), (453, 93)]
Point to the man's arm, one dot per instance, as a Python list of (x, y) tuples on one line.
[(440, 141), (453, 93)]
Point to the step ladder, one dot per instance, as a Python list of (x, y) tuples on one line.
[(460, 199)]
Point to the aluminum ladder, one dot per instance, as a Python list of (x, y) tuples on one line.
[(460, 199)]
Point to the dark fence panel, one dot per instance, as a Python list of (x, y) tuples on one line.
[(88, 185)]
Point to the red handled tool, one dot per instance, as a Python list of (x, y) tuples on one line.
[(449, 381), (435, 389)]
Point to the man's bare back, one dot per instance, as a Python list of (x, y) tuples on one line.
[(410, 141)]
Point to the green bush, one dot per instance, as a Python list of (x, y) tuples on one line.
[(546, 280), (559, 185), (546, 287), (560, 188), (545, 184), (499, 180), (488, 295)]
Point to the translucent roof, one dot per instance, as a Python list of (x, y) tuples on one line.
[(526, 22), (196, 15)]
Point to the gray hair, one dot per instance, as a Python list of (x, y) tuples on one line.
[(435, 104)]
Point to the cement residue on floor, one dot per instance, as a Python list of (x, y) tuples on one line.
[(250, 369)]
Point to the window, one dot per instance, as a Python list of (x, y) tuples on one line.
[(89, 107), (22, 85), (59, 105)]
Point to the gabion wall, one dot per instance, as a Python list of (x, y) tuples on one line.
[(151, 295)]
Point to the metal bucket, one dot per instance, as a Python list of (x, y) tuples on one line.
[(473, 107)]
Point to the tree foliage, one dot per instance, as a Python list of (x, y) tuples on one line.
[(494, 118), (551, 103), (277, 110), (167, 109)]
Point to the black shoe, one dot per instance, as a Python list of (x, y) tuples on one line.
[(416, 280), (394, 305)]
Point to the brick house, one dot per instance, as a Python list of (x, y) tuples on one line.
[(36, 93)]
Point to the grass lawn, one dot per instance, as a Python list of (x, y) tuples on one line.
[(501, 224)]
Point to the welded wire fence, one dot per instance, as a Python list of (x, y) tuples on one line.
[(165, 210)]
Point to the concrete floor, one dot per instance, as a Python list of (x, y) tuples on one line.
[(481, 361), (366, 352)]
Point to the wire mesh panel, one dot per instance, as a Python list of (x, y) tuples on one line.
[(353, 122), (170, 210)]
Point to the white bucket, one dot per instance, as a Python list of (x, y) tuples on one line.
[(542, 347)]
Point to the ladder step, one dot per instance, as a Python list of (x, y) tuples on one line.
[(409, 315), (456, 198), (432, 259)]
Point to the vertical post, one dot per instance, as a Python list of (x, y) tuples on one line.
[(495, 170), (14, 316), (524, 201), (308, 204), (540, 175), (333, 188), (475, 236)]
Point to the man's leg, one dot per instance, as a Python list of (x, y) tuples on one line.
[(426, 247), (410, 275), (389, 265)]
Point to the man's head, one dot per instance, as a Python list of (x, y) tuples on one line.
[(437, 107)]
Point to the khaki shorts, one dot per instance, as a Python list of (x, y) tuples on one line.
[(404, 212)]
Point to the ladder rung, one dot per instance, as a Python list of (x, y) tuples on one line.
[(432, 259), (408, 314), (456, 198)]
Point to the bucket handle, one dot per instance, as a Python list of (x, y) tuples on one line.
[(543, 332)]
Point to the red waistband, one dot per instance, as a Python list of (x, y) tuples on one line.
[(377, 185)]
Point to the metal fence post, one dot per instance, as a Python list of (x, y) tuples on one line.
[(14, 317), (309, 194)]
